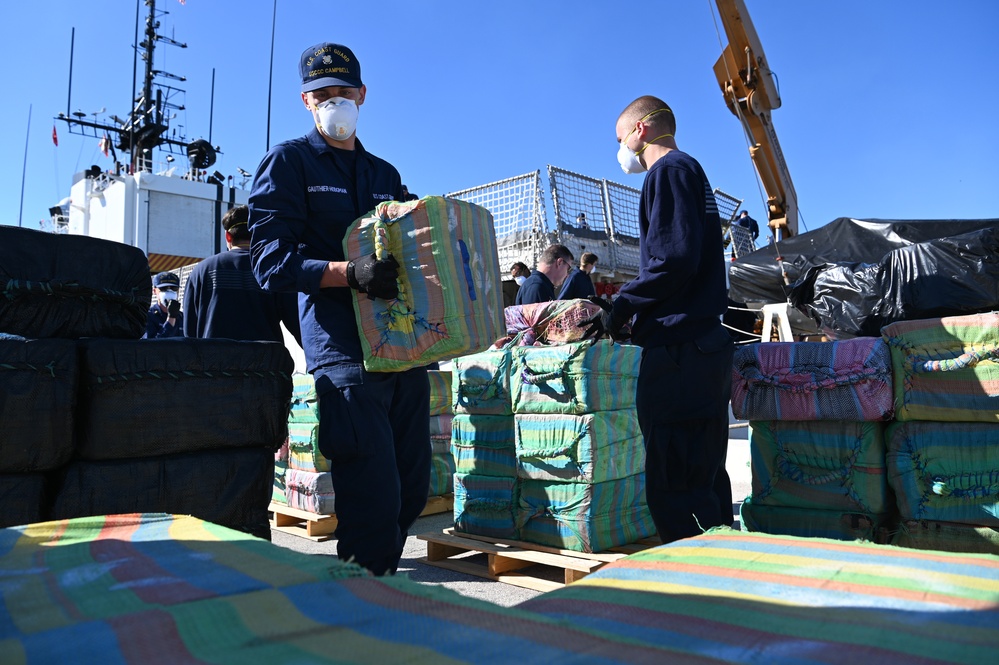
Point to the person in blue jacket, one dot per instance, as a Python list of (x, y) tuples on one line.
[(677, 301), (373, 426), (554, 265), (747, 222), (223, 299), (164, 318), (579, 284)]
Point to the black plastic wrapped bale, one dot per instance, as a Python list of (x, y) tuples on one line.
[(25, 498), (949, 276), (141, 398), (38, 388), (757, 277), (229, 487), (70, 286)]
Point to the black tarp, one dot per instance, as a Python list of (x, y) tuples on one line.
[(757, 278), (25, 498), (948, 276), (231, 487), (71, 286), (38, 389), (163, 396)]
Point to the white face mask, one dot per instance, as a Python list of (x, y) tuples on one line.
[(629, 161), (337, 118), (520, 279), (167, 296)]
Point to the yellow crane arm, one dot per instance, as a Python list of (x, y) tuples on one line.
[(751, 93)]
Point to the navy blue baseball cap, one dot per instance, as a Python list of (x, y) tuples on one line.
[(166, 279), (329, 64)]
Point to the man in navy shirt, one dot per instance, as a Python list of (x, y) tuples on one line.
[(579, 284), (373, 427), (677, 301), (554, 265), (222, 298)]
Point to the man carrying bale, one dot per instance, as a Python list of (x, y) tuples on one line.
[(374, 427)]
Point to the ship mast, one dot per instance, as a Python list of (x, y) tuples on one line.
[(147, 126)]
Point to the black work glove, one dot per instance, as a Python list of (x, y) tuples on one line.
[(603, 322), (173, 309), (376, 278)]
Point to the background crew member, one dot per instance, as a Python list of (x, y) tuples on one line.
[(553, 267), (579, 283), (164, 318), (223, 299), (747, 222), (373, 427), (678, 297)]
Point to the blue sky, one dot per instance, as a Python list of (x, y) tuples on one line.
[(888, 106)]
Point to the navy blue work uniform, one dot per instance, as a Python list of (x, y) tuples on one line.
[(373, 427), (223, 299), (577, 285), (685, 378), (536, 288), (157, 326), (748, 222)]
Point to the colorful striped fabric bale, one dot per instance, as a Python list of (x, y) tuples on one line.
[(481, 383), (450, 299), (441, 474), (440, 391), (584, 517), (281, 454), (946, 472), (440, 433), (946, 369), (279, 494), (582, 377), (816, 522), (823, 465), (441, 424), (154, 588), (947, 537), (736, 597), (311, 492), (552, 322), (591, 448), (845, 380), (304, 401), (485, 505), (484, 445), (303, 448)]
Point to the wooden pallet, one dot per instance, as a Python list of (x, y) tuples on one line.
[(507, 559), (302, 523), (321, 527), (439, 504)]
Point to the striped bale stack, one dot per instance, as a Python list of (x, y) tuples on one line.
[(816, 412), (302, 477), (306, 481), (441, 460), (547, 446), (943, 449)]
